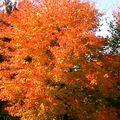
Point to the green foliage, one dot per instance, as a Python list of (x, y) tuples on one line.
[(114, 41)]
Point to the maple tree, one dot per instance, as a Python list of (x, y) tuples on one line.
[(49, 58)]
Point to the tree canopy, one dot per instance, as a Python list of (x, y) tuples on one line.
[(50, 62)]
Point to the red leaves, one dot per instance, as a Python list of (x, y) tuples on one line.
[(107, 113)]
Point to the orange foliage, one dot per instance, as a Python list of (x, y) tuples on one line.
[(108, 113), (41, 43)]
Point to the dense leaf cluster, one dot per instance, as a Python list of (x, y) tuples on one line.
[(50, 67)]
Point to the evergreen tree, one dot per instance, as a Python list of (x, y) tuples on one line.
[(114, 41)]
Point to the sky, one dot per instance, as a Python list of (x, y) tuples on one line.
[(106, 6)]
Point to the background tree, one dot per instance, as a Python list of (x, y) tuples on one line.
[(111, 86), (46, 71), (114, 41), (8, 6)]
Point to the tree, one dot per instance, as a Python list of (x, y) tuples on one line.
[(111, 86), (8, 6), (114, 41), (44, 57)]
